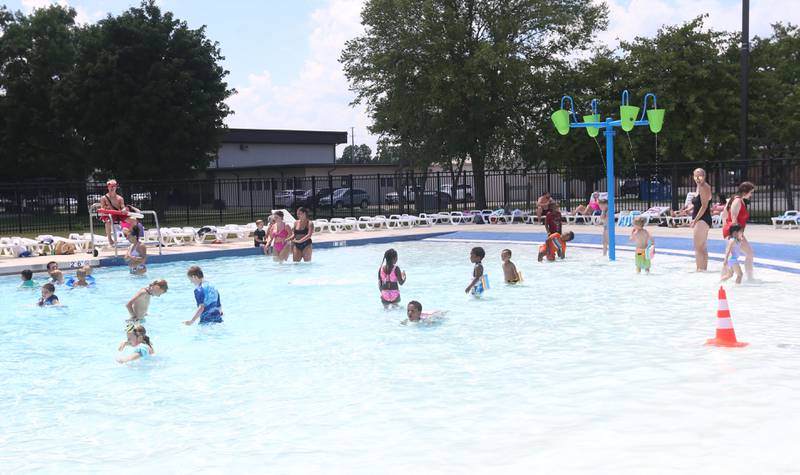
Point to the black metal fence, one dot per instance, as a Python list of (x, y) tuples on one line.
[(58, 207)]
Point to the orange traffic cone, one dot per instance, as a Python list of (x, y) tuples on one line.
[(725, 334)]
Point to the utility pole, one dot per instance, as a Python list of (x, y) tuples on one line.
[(745, 65), (353, 137)]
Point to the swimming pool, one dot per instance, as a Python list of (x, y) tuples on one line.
[(586, 368)]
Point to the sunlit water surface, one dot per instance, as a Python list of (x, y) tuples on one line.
[(585, 368)]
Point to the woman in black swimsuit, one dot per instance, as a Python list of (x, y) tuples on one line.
[(303, 229), (701, 219)]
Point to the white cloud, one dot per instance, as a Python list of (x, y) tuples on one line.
[(318, 97), (82, 16), (628, 19)]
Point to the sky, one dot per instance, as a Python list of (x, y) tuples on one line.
[(283, 55)]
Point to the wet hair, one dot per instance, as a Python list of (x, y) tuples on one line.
[(81, 273), (478, 251), (506, 251), (416, 305), (49, 287), (735, 228), (195, 271), (568, 236), (390, 258), (278, 213), (139, 330), (744, 188), (51, 263), (639, 221), (134, 231), (27, 274), (163, 283)]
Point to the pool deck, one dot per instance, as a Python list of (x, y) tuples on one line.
[(774, 248)]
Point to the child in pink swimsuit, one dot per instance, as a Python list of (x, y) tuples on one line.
[(390, 278)]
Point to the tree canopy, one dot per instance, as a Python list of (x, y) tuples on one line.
[(452, 79), (139, 95)]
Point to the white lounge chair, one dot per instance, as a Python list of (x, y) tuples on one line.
[(786, 220), (209, 234), (657, 214)]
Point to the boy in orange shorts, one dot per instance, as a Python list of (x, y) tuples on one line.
[(556, 244)]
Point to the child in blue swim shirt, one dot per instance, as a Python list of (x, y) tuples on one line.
[(209, 307)]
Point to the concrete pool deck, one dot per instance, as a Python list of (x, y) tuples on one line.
[(774, 248)]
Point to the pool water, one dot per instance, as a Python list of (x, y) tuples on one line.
[(585, 368)]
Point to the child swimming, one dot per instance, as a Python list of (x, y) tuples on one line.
[(555, 245), (416, 315), (139, 304), (80, 279), (56, 276), (136, 256), (209, 307), (139, 342), (48, 296), (732, 254), (27, 279), (510, 272), (390, 278), (476, 256), (642, 238)]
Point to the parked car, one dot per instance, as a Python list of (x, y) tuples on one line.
[(288, 198), (345, 196), (461, 191), (408, 195), (312, 201)]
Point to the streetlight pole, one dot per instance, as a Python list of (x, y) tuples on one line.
[(745, 65)]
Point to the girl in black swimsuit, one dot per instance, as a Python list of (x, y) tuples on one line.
[(701, 219), (303, 229)]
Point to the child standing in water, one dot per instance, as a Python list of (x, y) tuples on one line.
[(641, 237), (390, 278), (476, 256), (209, 307), (137, 306), (732, 254), (510, 272), (48, 295), (139, 342)]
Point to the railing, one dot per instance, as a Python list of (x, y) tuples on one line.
[(56, 206)]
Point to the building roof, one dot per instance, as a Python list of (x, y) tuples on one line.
[(294, 137)]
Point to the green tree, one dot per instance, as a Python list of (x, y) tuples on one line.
[(450, 78), (148, 95), (348, 154), (363, 154), (37, 52)]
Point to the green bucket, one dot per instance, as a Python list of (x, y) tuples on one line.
[(656, 119), (561, 121), (627, 115), (592, 131)]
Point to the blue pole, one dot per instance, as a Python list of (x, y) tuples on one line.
[(611, 184)]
